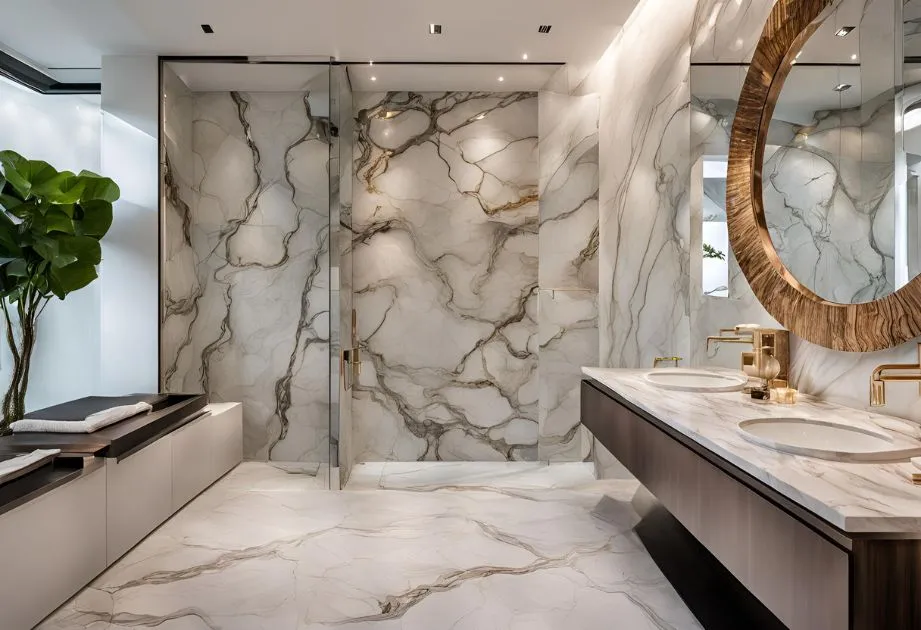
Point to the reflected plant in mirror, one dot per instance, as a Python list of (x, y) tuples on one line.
[(50, 227)]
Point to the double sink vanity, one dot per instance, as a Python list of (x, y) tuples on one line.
[(809, 507)]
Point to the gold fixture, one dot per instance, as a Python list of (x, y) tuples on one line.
[(768, 345), (879, 379), (658, 360), (351, 358)]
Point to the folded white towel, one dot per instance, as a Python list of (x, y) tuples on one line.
[(92, 423), (11, 466)]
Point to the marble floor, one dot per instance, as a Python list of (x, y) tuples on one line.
[(425, 546)]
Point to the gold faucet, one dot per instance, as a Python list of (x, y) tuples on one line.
[(658, 360), (764, 342), (879, 379)]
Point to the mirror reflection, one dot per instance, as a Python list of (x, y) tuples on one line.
[(839, 180)]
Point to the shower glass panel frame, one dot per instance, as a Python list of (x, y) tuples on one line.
[(249, 290)]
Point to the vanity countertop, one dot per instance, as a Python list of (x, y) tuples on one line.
[(854, 497)]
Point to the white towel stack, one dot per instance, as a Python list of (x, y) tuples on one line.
[(91, 423)]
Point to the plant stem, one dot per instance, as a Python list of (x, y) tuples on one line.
[(28, 307)]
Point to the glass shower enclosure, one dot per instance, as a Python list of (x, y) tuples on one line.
[(254, 252)]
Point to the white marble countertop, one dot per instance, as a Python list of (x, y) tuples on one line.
[(855, 497)]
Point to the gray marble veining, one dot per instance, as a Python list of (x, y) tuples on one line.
[(568, 268), (445, 250), (509, 545), (246, 264), (854, 497)]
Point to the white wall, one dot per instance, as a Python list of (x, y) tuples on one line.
[(128, 284), (65, 132)]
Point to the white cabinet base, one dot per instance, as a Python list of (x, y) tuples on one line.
[(51, 547)]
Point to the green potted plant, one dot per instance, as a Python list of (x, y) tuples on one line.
[(51, 223)]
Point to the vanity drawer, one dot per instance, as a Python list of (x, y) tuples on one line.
[(797, 573)]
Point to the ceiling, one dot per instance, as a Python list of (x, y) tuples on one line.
[(77, 34), (446, 77), (806, 90)]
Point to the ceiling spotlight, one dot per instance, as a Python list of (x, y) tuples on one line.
[(206, 29), (544, 28), (525, 56), (842, 87), (854, 57), (371, 62), (434, 29), (844, 30), (501, 79), (374, 78)]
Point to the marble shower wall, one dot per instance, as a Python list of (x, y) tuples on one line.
[(245, 278), (568, 268), (445, 253)]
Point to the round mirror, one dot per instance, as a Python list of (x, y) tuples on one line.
[(822, 197), (830, 159)]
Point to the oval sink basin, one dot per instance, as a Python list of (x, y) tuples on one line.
[(685, 380), (828, 440)]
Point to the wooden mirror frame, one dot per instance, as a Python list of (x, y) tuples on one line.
[(865, 327)]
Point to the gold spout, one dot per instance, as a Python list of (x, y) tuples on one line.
[(658, 360), (721, 339), (879, 378), (764, 342)]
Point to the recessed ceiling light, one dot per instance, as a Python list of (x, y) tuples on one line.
[(371, 62), (525, 56), (854, 57), (844, 30), (206, 28), (501, 79), (544, 28), (435, 29), (374, 78), (842, 87)]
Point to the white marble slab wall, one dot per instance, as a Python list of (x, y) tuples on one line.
[(568, 268), (445, 252), (246, 269)]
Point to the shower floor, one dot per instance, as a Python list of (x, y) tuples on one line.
[(427, 546)]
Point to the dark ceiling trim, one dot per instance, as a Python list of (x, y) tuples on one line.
[(36, 80), (799, 64), (336, 62)]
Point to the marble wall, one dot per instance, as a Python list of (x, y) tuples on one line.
[(568, 267), (445, 273), (245, 277)]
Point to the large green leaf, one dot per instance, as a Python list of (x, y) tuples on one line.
[(56, 221), (96, 219), (85, 249), (96, 187), (13, 166), (62, 188), (71, 278)]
